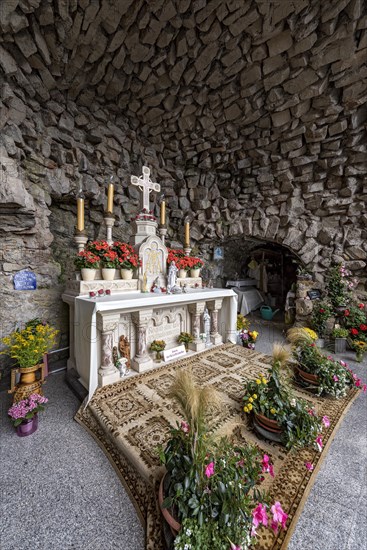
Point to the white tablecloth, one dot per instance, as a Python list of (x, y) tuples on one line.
[(248, 300), (241, 282)]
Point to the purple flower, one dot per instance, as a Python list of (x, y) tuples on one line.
[(209, 470)]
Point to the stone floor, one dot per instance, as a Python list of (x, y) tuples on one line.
[(59, 491)]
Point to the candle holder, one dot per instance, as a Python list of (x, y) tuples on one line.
[(109, 220), (163, 232), (81, 239), (187, 250)]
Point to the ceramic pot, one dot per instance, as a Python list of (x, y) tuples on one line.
[(195, 273), (172, 522), (108, 273), (268, 423), (340, 345), (126, 274), (29, 382), (307, 377), (28, 426), (182, 273), (88, 274), (158, 356)]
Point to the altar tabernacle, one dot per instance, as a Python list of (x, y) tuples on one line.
[(154, 306)]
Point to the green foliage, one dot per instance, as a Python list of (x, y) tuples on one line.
[(272, 396), (339, 332), (320, 315), (338, 286)]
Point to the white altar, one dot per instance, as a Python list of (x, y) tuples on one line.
[(133, 312), (142, 318)]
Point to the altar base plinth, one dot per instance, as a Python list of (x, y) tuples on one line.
[(105, 378)]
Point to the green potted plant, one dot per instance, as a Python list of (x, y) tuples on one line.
[(27, 347), (274, 407), (338, 288), (211, 493), (360, 347), (158, 346), (316, 370), (195, 265), (185, 338), (321, 313), (24, 414), (340, 336)]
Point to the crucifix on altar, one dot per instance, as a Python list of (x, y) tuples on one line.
[(146, 185)]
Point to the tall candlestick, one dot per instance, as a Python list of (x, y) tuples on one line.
[(187, 234), (110, 198), (163, 213), (80, 216)]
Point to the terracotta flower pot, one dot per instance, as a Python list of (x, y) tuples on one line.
[(307, 377), (268, 423), (172, 522)]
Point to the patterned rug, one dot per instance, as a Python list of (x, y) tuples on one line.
[(131, 418)]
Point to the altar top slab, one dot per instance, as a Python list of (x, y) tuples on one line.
[(137, 300)]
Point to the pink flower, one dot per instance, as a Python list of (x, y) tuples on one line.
[(267, 466), (358, 383), (309, 466), (234, 546), (343, 363), (279, 516), (253, 532), (209, 470), (318, 442), (311, 412), (364, 388), (326, 421), (185, 427), (335, 378), (259, 516)]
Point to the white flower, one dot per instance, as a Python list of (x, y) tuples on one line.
[(188, 532)]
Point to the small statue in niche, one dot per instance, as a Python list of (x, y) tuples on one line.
[(124, 348), (206, 319), (172, 276)]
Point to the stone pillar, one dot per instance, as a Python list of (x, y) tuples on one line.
[(142, 360), (196, 310), (106, 324), (214, 306)]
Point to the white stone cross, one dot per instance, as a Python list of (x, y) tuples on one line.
[(146, 185)]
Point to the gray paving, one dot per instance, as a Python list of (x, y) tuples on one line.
[(58, 490)]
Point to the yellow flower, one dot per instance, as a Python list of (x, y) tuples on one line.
[(273, 411), (245, 409), (254, 396), (262, 375), (264, 381), (255, 334), (250, 407), (258, 381), (250, 399)]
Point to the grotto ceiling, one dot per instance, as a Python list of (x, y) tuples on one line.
[(224, 84)]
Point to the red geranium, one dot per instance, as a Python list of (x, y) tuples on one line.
[(361, 306), (321, 311), (347, 312), (363, 327), (354, 331)]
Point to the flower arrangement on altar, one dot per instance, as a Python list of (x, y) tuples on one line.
[(127, 257), (213, 485), (99, 248), (270, 396), (330, 377), (87, 259), (185, 338), (182, 261), (27, 408), (29, 345)]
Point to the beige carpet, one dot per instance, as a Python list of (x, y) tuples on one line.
[(131, 418)]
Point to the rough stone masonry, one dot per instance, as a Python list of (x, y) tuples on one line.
[(250, 114)]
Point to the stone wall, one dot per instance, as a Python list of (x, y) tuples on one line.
[(251, 115)]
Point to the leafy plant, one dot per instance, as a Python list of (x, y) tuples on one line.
[(339, 332), (87, 259), (338, 286), (185, 338), (242, 322), (320, 315), (334, 377), (28, 346), (213, 484), (271, 395), (127, 257)]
